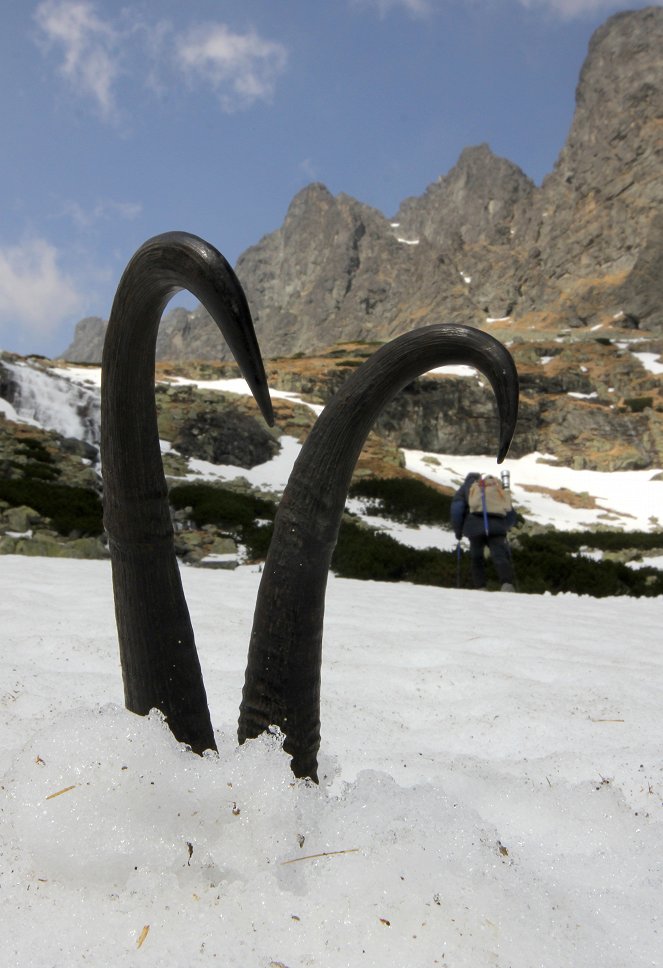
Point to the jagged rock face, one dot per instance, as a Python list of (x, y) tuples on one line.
[(88, 341), (611, 163), (597, 212), (476, 202), (336, 271), (585, 248)]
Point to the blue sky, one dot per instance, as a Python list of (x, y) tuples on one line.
[(120, 122)]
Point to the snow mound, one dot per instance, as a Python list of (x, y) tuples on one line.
[(128, 839)]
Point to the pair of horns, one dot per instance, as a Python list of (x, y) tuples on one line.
[(160, 665)]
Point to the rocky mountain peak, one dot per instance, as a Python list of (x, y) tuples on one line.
[(617, 71), (310, 198), (476, 201), (596, 208)]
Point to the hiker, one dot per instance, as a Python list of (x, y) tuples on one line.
[(481, 511)]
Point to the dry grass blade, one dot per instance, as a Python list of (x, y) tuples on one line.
[(60, 792), (325, 853)]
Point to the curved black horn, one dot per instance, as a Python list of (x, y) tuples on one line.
[(282, 682), (160, 665)]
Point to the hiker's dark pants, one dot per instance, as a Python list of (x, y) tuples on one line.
[(499, 552)]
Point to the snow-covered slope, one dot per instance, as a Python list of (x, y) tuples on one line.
[(492, 788), (629, 500)]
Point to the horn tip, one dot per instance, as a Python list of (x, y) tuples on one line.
[(265, 403)]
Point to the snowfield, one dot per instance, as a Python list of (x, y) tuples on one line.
[(491, 787), (491, 794)]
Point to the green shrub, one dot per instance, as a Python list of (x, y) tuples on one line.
[(638, 404), (39, 471), (367, 554), (211, 504), (40, 463), (545, 563), (236, 513), (256, 539), (542, 564), (403, 499), (600, 540), (35, 450), (71, 509)]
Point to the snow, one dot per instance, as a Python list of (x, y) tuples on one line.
[(240, 386), (89, 376), (647, 561), (492, 785), (415, 536), (651, 361), (271, 476), (491, 789)]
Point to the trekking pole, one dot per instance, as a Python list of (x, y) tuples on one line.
[(506, 484), (513, 570), (459, 554), (482, 485)]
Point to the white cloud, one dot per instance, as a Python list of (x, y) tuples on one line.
[(241, 68), (566, 9), (309, 169), (34, 292), (90, 48), (103, 209), (418, 8)]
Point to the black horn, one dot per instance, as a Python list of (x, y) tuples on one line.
[(282, 682), (160, 664)]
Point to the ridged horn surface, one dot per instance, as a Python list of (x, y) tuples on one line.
[(282, 682), (160, 664)]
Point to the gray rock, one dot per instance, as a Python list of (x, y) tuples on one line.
[(226, 438), (88, 341), (20, 519)]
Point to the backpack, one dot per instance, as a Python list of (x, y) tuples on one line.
[(498, 501)]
